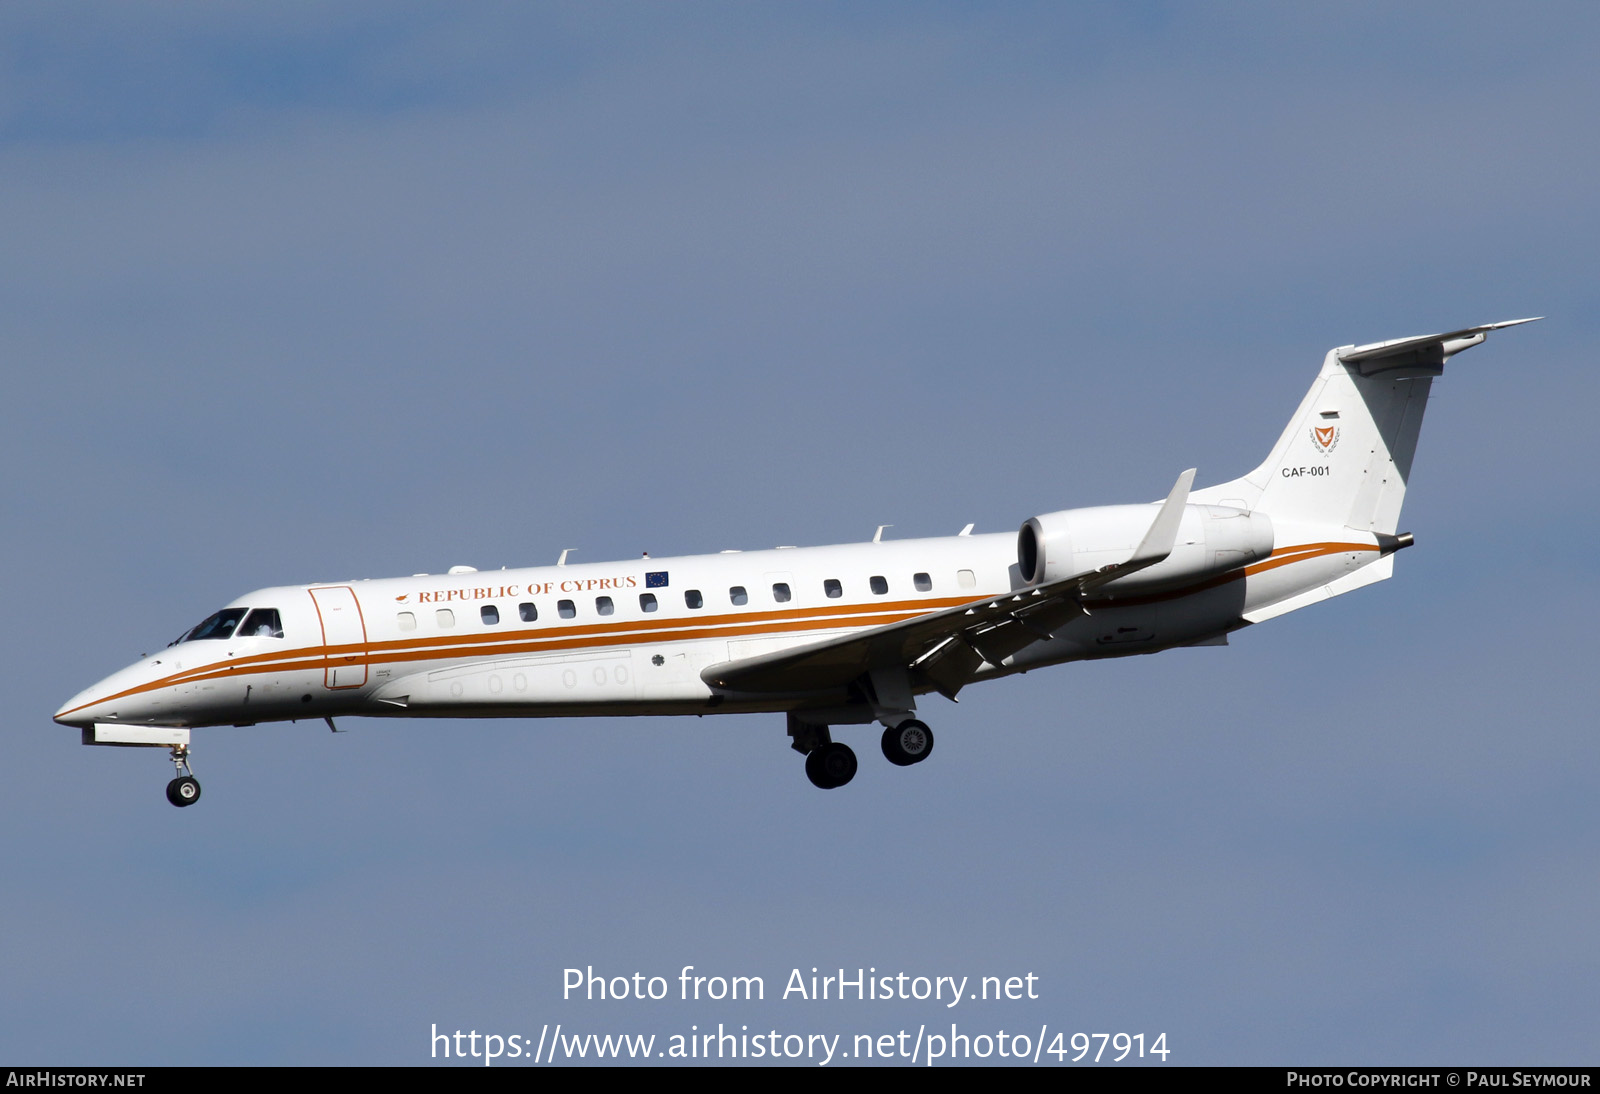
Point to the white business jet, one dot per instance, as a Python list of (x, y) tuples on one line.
[(829, 636)]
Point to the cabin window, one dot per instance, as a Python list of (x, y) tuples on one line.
[(780, 592), (603, 605), (647, 602), (262, 623), (832, 588), (217, 626), (965, 579), (445, 617), (566, 609), (738, 595), (528, 612), (489, 614), (406, 621), (879, 585), (922, 581), (693, 598)]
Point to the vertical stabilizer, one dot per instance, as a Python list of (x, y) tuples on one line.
[(1346, 455)]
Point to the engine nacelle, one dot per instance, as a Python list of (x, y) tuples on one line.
[(1212, 539)]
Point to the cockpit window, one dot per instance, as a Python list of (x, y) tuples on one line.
[(262, 623), (218, 626)]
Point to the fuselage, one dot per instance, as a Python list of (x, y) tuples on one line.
[(634, 637)]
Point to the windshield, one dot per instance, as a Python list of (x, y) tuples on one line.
[(218, 626), (263, 623)]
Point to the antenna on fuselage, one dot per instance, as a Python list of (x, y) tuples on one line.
[(877, 537), (562, 561)]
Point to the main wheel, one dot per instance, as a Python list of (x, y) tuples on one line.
[(907, 743), (183, 791), (831, 766)]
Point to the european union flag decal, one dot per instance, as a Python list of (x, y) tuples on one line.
[(656, 580)]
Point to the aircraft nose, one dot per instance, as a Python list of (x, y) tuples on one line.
[(95, 704), (130, 695), (78, 710)]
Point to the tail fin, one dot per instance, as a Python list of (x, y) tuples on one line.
[(1346, 455)]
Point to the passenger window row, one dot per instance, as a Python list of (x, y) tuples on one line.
[(694, 599)]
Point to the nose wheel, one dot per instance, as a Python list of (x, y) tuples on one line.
[(185, 789)]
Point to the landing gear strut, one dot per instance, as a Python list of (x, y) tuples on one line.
[(185, 789)]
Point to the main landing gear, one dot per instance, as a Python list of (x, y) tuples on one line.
[(831, 764), (908, 743), (185, 789)]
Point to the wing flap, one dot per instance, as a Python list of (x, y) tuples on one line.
[(986, 626)]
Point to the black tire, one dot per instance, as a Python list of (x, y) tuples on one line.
[(908, 743), (831, 766), (814, 769), (183, 791)]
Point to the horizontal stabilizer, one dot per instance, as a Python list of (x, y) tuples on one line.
[(1426, 349)]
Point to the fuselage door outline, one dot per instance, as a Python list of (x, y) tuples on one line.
[(342, 626)]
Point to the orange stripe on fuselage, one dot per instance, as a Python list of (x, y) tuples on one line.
[(1282, 557), (584, 636), (673, 629)]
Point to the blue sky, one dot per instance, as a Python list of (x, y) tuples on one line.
[(291, 293)]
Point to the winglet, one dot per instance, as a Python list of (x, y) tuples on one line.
[(1158, 542), (1163, 534)]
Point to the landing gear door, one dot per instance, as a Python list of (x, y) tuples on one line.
[(344, 637)]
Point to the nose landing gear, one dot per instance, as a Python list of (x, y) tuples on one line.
[(185, 789)]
